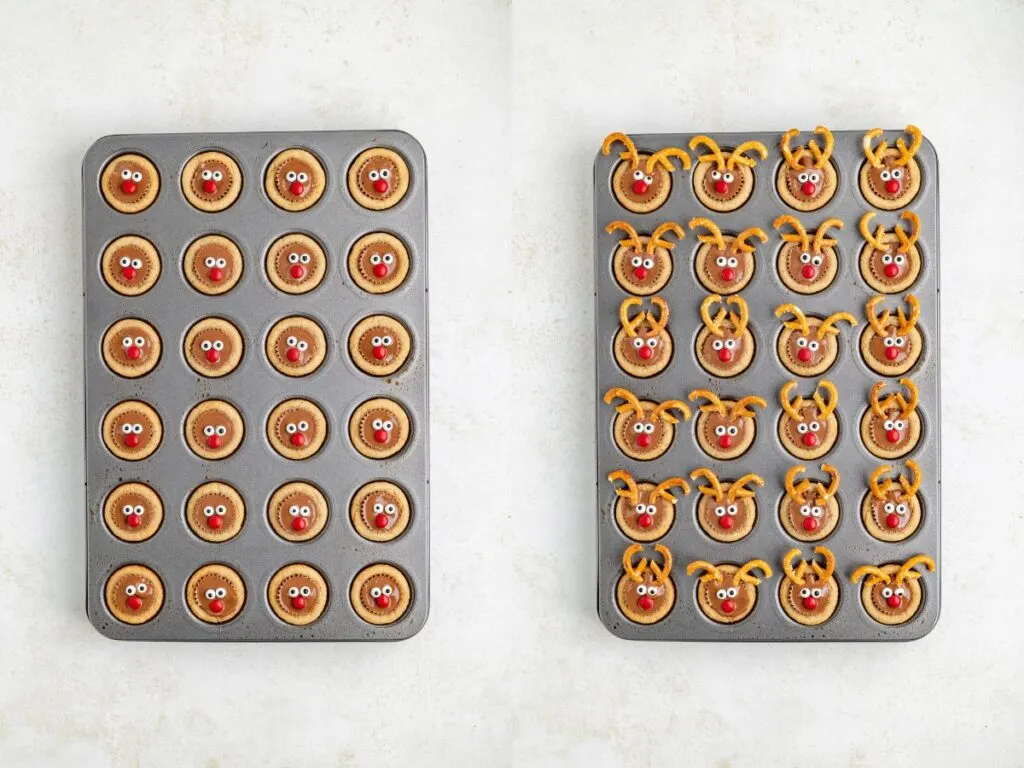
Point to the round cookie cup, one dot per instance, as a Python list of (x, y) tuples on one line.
[(709, 612), (111, 268), (916, 345), (881, 284), (621, 258), (202, 283), (152, 516), (914, 427), (402, 518), (317, 180), (110, 180), (402, 339), (125, 370), (288, 451), (370, 283), (734, 203), (876, 200), (798, 533), (288, 614), (702, 266), (822, 282), (115, 591), (300, 243), (199, 605), (829, 358), (290, 490), (225, 200), (789, 592), (885, 534), (624, 167), (622, 588), (401, 184), (833, 432), (111, 435), (309, 326), (666, 516), (831, 180), (227, 329), (230, 413), (882, 616), (643, 371), (705, 513), (195, 518), (714, 367), (369, 614), (402, 423)]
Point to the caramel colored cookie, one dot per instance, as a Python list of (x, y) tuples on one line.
[(809, 345), (809, 594), (807, 272), (726, 428), (723, 179), (297, 429), (810, 511), (211, 181), (296, 263), (213, 347), (643, 344), (727, 510), (891, 510), (892, 436), (641, 181), (640, 272), (643, 429), (807, 180), (214, 429), (131, 265), (380, 511), (892, 593), (724, 264), (213, 264), (130, 183), (727, 593), (296, 346), (809, 428), (379, 428), (215, 594), (215, 512), (298, 511), (645, 593), (378, 179), (298, 594), (379, 345), (890, 178), (131, 348), (378, 262), (132, 430), (134, 594), (725, 346), (645, 511), (133, 512), (380, 594), (890, 262), (295, 180), (892, 345)]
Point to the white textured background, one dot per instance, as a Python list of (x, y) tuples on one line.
[(510, 99)]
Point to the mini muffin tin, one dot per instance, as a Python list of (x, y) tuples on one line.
[(668, 307), (194, 304)]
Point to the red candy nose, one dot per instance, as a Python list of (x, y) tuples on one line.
[(380, 186), (134, 352), (128, 187), (639, 187), (640, 273), (133, 520), (298, 603), (380, 352), (891, 353), (893, 435), (212, 355), (645, 352), (804, 355), (810, 603), (215, 522), (892, 186), (807, 188), (132, 440), (809, 439), (297, 188), (644, 440), (892, 520), (891, 270), (724, 355), (728, 606), (728, 274), (727, 521), (134, 602), (299, 524), (645, 520), (380, 270), (128, 273), (383, 601), (298, 439), (297, 272), (645, 603), (894, 601), (807, 272), (209, 186), (216, 274), (725, 441), (721, 187), (292, 354), (810, 524), (381, 521), (213, 441), (380, 435), (216, 606)]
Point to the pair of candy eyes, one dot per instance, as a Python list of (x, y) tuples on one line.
[(377, 258), (899, 509), (382, 341), (643, 426), (894, 341), (648, 509), (888, 592), (214, 594), (127, 262), (732, 429), (220, 510), (208, 175), (128, 341), (730, 510), (896, 424), (127, 175), (299, 258), (638, 261), (387, 426), (378, 591), (895, 173), (206, 346), (211, 262), (722, 594), (817, 592), (731, 261), (807, 258), (131, 429), (640, 343), (643, 589), (389, 509), (292, 341), (727, 177), (811, 344), (128, 509), (299, 591), (301, 426), (718, 344), (131, 589), (639, 175), (806, 510), (209, 430), (296, 511), (813, 426), (810, 176), (383, 173), (301, 176)]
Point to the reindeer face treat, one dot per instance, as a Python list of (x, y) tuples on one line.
[(726, 511), (891, 346), (809, 594), (891, 510), (807, 180), (727, 593), (891, 427), (642, 429), (645, 511), (726, 428), (642, 182), (807, 264), (808, 346), (725, 345), (890, 177), (643, 345), (892, 593), (724, 180), (296, 385), (725, 264), (890, 262), (645, 593), (808, 429), (643, 264), (810, 510)]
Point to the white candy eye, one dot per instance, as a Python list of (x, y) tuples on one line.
[(638, 175), (638, 342), (816, 512), (388, 258), (124, 261), (127, 509), (305, 258), (805, 592), (209, 261), (732, 509), (374, 175), (210, 594), (813, 178), (652, 343), (378, 507), (805, 510), (388, 426), (291, 341), (641, 589), (801, 428), (720, 430), (802, 178), (649, 428), (385, 173), (721, 261), (814, 426), (293, 510), (636, 261), (221, 592), (126, 342), (886, 258), (649, 263), (375, 341), (375, 258), (722, 594), (222, 263), (206, 175), (717, 344), (129, 590), (137, 429), (217, 176), (303, 346), (222, 430), (899, 591), (140, 341), (899, 258), (293, 591), (220, 510), (728, 178), (291, 429), (902, 509), (805, 258), (126, 174), (141, 588), (716, 175), (303, 176), (290, 176), (897, 173), (303, 426), (889, 508), (733, 261), (817, 260), (900, 341), (801, 342), (206, 346), (137, 263), (305, 511), (293, 258), (387, 341), (651, 509), (731, 343), (886, 592), (817, 592), (733, 591), (137, 176), (887, 341), (218, 345), (379, 424), (885, 175), (649, 179), (208, 511), (733, 430), (208, 431), (305, 591), (375, 593), (719, 511), (898, 425), (813, 346), (887, 425), (386, 589)]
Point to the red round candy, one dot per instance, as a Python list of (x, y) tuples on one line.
[(892, 520), (645, 353), (298, 439), (810, 523), (216, 274), (298, 602), (645, 603), (212, 355), (134, 352), (894, 601), (644, 520), (724, 355), (292, 354), (134, 602), (297, 188), (213, 441), (380, 270), (297, 272), (892, 186), (728, 606), (216, 606), (809, 439), (810, 603), (804, 355), (380, 186), (128, 273), (893, 436), (131, 440), (807, 272), (640, 273), (891, 353), (128, 187), (643, 440), (383, 601), (299, 524), (133, 520), (381, 520), (639, 187), (807, 188), (380, 435), (728, 274), (891, 270), (209, 186), (216, 522), (721, 187), (727, 521), (380, 352), (725, 441)]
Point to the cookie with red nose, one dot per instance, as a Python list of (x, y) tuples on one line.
[(378, 179), (643, 344), (642, 264), (298, 511), (724, 179), (380, 594), (295, 179), (645, 511), (296, 263), (214, 429), (379, 428), (724, 264), (298, 594), (380, 511), (297, 429), (130, 183), (891, 510), (725, 346), (645, 593), (726, 428), (131, 348), (891, 427), (134, 594), (131, 265), (296, 346), (890, 177), (892, 345), (378, 262), (810, 509), (809, 594), (892, 593), (809, 428), (215, 594), (727, 593), (215, 512), (890, 261), (133, 512), (808, 345), (379, 345), (213, 347), (132, 430), (211, 181), (643, 429), (213, 264), (642, 181), (807, 179), (807, 263), (727, 510)]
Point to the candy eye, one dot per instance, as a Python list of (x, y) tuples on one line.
[(217, 176), (375, 592), (206, 346), (805, 592), (802, 178), (206, 175), (375, 341), (222, 430), (126, 174), (900, 341), (209, 261), (303, 426), (305, 511), (720, 430), (728, 178), (887, 425), (886, 592), (291, 176), (732, 509), (208, 431), (817, 592), (722, 594), (385, 173), (899, 259), (649, 428), (733, 591), (140, 341), (717, 344), (137, 177), (733, 430), (387, 341), (126, 342), (801, 342), (124, 261), (649, 263), (733, 261), (305, 258), (887, 341), (141, 588), (716, 175), (813, 346), (805, 258), (897, 173), (731, 344), (651, 509), (719, 511), (218, 345), (388, 426), (636, 261), (291, 429), (374, 175), (222, 263), (889, 508), (379, 424), (303, 176), (898, 425), (387, 590), (813, 178), (638, 342), (886, 258), (721, 261), (805, 510), (291, 341), (899, 591), (814, 426), (649, 179), (293, 592), (210, 594), (801, 428), (129, 590), (885, 175), (293, 258), (817, 260), (638, 175), (652, 343), (293, 510), (816, 512), (641, 589), (221, 592), (127, 509), (303, 346), (902, 509), (208, 511)]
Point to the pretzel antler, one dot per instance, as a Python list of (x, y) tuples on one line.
[(799, 323), (744, 573), (740, 244), (714, 404), (661, 489), (712, 572), (631, 491), (632, 401), (910, 486), (906, 570), (661, 411), (879, 488), (661, 572), (876, 240), (714, 487), (915, 144), (796, 575), (833, 485), (879, 322), (907, 241), (714, 238), (828, 325), (794, 489), (714, 325), (799, 235), (821, 156), (874, 156), (629, 325), (741, 408), (825, 409), (819, 235), (824, 574), (907, 406), (657, 241), (907, 322), (791, 407), (632, 239), (736, 157), (878, 406), (738, 319), (738, 489), (876, 574), (792, 157), (716, 155), (630, 154), (658, 323), (661, 157), (636, 573)]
